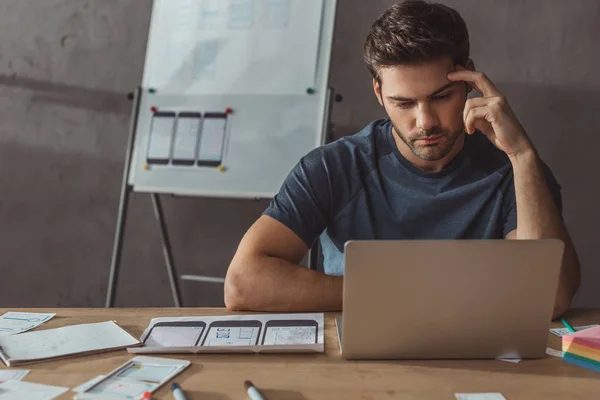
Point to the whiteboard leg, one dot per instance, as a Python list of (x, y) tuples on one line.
[(115, 262), (166, 245)]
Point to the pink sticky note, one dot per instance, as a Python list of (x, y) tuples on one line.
[(589, 338)]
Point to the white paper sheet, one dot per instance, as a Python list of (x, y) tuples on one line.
[(338, 325), (68, 340), (11, 390), (510, 360), (554, 353), (12, 323), (258, 333), (217, 47), (479, 396), (13, 374), (132, 379), (560, 332), (85, 386)]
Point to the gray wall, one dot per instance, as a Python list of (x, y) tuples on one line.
[(65, 69)]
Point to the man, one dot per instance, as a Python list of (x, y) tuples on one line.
[(442, 167)]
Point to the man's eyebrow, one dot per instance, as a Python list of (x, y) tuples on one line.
[(400, 98)]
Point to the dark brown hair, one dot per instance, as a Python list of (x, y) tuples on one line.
[(415, 31)]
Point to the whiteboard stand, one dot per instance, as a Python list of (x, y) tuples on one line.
[(262, 122), (115, 264), (126, 188)]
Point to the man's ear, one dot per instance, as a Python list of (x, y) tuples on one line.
[(470, 65), (377, 90)]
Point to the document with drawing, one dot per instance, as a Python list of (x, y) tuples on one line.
[(71, 340), (235, 333)]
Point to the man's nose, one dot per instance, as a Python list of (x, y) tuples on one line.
[(426, 118)]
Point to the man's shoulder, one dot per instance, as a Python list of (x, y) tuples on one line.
[(360, 149)]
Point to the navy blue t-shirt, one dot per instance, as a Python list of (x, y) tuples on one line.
[(360, 187)]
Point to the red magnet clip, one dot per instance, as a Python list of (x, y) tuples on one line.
[(228, 110), (153, 109)]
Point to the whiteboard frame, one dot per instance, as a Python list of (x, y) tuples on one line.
[(321, 98)]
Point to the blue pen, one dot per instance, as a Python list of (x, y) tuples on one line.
[(177, 392)]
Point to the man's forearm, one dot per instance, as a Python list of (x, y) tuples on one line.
[(273, 284), (538, 217)]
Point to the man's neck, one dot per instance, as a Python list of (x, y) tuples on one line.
[(424, 165)]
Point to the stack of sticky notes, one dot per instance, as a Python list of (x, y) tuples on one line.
[(583, 348)]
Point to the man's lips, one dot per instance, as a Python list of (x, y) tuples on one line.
[(430, 139)]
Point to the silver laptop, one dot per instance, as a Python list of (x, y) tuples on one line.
[(449, 299)]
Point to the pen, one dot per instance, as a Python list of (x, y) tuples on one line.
[(177, 392), (566, 324), (253, 392)]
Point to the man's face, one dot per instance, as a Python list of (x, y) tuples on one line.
[(424, 106)]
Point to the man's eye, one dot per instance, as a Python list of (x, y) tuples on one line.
[(407, 104), (443, 97)]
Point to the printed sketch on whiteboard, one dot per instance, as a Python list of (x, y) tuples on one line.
[(213, 47)]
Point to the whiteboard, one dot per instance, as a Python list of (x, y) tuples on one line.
[(234, 93)]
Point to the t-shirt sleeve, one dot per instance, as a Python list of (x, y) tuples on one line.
[(303, 203), (510, 222)]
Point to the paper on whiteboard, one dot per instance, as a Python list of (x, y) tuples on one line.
[(13, 375), (11, 390), (12, 323), (213, 47)]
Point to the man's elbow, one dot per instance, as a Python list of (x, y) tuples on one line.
[(233, 293), (238, 295), (560, 307)]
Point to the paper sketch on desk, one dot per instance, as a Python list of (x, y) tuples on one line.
[(479, 396), (65, 341), (130, 380), (554, 353), (215, 47), (234, 333), (560, 332), (12, 323), (11, 390), (85, 386), (13, 374), (338, 326), (509, 360)]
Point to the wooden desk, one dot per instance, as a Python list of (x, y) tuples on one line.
[(324, 376)]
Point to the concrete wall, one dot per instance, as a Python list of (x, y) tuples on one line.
[(65, 69)]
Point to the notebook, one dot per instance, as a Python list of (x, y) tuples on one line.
[(62, 342)]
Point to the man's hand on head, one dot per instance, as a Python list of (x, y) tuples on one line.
[(491, 114)]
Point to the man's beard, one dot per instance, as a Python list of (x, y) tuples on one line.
[(430, 152)]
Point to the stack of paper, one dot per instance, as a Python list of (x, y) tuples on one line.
[(583, 348), (66, 341)]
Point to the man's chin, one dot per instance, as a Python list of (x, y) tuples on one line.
[(429, 154)]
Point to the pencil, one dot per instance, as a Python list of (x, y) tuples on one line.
[(566, 324)]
